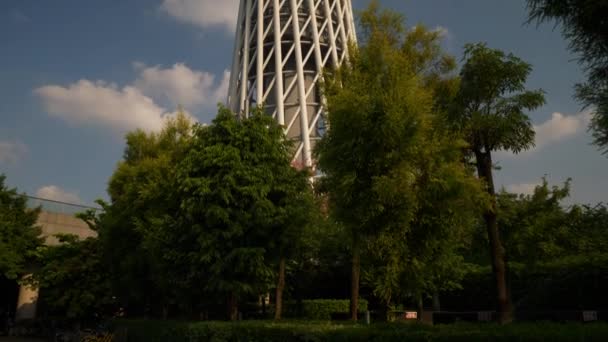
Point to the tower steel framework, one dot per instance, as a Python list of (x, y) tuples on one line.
[(280, 51)]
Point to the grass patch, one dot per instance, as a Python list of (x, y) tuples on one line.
[(310, 331)]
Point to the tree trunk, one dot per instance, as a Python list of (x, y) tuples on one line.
[(497, 252), (354, 283), (436, 302), (278, 309), (232, 307), (147, 308), (508, 281), (420, 305), (386, 309), (165, 312)]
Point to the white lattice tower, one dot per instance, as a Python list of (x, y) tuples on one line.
[(281, 49)]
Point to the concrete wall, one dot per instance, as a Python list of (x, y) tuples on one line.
[(58, 223), (51, 224)]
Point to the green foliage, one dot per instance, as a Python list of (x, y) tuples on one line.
[(238, 194), (393, 172), (540, 228), (534, 227), (554, 251), (578, 281), (491, 103), (374, 107), (19, 235), (137, 228), (322, 331), (73, 279), (200, 213), (588, 227), (583, 23), (489, 112), (321, 267), (320, 309)]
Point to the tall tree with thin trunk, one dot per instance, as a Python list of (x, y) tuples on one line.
[(294, 209), (384, 148), (371, 104), (490, 112)]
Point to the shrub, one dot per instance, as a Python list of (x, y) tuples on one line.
[(253, 331), (579, 282), (321, 309)]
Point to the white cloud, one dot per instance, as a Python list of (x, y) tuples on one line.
[(134, 106), (86, 102), (11, 152), (561, 127), (524, 188), (443, 31), (204, 13), (558, 128), (181, 85), (222, 89), (55, 193)]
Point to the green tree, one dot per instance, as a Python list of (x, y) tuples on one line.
[(552, 248), (535, 227), (73, 278), (541, 228), (138, 224), (321, 263), (19, 235), (588, 229), (238, 193), (583, 23), (489, 111), (426, 259), (388, 157), (295, 210)]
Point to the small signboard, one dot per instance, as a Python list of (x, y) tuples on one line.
[(589, 316), (410, 315)]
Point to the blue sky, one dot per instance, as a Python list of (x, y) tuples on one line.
[(76, 75)]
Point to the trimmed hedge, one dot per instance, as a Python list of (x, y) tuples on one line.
[(578, 283), (321, 309), (154, 331)]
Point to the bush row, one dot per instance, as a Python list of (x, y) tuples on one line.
[(151, 331), (573, 283), (321, 309)]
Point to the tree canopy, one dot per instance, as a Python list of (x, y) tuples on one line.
[(540, 227), (489, 111), (138, 220), (74, 279), (240, 196), (19, 234), (201, 214), (584, 25), (389, 163)]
